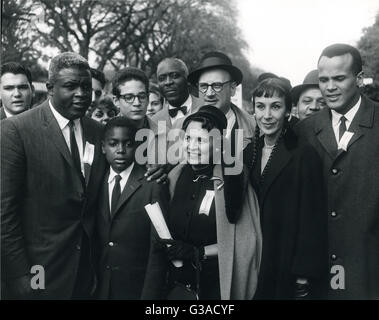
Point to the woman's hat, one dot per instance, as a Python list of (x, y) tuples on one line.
[(310, 80), (212, 113), (213, 60)]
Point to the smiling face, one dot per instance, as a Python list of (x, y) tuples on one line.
[(119, 148), (137, 109), (338, 83), (310, 102), (71, 92), (222, 99), (16, 92), (172, 82), (270, 114), (197, 144)]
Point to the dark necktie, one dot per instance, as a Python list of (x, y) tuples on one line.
[(173, 112), (342, 127), (116, 193), (74, 148)]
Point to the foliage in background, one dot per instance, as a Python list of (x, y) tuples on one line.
[(119, 33)]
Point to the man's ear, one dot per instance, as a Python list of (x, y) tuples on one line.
[(102, 147), (116, 101), (50, 88), (233, 87), (359, 79)]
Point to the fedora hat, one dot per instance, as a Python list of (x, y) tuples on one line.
[(212, 60), (310, 80), (210, 112)]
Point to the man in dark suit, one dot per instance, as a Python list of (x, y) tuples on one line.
[(124, 228), (51, 168), (346, 136), (16, 89)]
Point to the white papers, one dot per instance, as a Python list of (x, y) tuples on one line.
[(206, 204), (89, 153), (345, 139), (156, 216)]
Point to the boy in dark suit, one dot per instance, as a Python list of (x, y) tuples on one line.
[(124, 228)]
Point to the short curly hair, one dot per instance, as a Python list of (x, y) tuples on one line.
[(66, 60)]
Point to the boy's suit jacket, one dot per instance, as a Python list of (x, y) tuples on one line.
[(46, 209), (124, 240)]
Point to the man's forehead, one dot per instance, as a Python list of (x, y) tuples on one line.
[(8, 78), (341, 63), (214, 75), (78, 73), (169, 66)]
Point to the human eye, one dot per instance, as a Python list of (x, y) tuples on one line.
[(340, 78), (8, 88), (162, 78), (307, 100), (203, 86), (276, 106), (260, 106), (323, 79), (99, 114), (112, 143), (217, 86), (187, 138), (24, 87), (174, 75), (322, 103), (142, 96), (70, 85)]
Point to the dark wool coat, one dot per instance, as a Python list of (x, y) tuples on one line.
[(352, 182), (293, 219)]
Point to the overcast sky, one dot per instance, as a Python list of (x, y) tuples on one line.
[(287, 36)]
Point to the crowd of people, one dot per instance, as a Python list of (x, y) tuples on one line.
[(280, 201)]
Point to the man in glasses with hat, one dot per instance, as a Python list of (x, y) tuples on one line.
[(307, 97), (216, 79)]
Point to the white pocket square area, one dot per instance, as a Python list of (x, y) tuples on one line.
[(89, 153), (344, 142)]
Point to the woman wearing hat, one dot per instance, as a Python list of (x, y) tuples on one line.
[(213, 221), (287, 178)]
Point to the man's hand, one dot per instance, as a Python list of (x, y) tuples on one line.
[(156, 172)]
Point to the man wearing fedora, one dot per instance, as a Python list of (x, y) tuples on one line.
[(216, 79), (307, 97)]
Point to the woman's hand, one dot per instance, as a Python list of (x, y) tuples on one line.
[(179, 250)]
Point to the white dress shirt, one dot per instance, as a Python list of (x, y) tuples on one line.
[(231, 117), (78, 130), (336, 119), (124, 179), (187, 103)]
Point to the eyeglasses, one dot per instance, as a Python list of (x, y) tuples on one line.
[(129, 98), (216, 86)]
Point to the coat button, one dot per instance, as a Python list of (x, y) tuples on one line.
[(78, 247), (107, 267), (333, 257), (334, 171), (193, 197), (333, 214), (111, 244)]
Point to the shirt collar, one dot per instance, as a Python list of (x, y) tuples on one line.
[(7, 113), (187, 103), (62, 121), (124, 174), (349, 115)]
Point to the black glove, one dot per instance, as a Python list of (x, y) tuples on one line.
[(179, 250), (302, 290)]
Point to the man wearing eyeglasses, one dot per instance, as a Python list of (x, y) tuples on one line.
[(216, 79), (131, 96)]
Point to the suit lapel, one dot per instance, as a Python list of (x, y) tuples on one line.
[(55, 134), (325, 133), (133, 183), (104, 207), (279, 160)]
